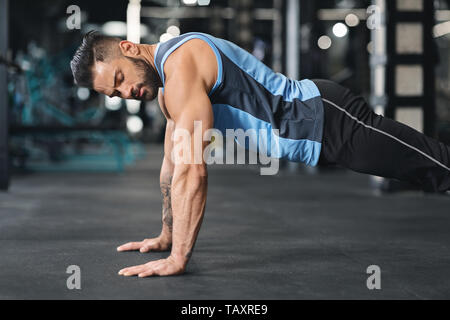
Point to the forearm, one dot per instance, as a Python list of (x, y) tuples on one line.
[(166, 192), (189, 190)]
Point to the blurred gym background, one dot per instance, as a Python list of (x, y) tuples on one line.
[(394, 53), (83, 170)]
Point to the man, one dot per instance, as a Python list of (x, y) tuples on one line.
[(198, 77)]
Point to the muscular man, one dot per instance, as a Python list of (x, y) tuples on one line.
[(198, 77)]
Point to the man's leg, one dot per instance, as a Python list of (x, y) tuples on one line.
[(357, 138)]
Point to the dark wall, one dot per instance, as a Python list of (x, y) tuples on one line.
[(40, 21), (4, 159)]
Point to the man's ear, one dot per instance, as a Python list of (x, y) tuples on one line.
[(128, 48)]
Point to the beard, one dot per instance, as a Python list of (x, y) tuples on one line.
[(148, 78)]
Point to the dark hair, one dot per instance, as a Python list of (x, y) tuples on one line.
[(95, 47)]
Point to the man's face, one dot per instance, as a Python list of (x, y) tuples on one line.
[(126, 77)]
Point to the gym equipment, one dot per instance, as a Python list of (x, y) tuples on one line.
[(403, 62), (52, 131)]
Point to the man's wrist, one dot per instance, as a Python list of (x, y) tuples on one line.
[(165, 238), (180, 258)]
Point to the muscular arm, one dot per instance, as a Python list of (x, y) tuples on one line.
[(165, 181), (166, 175), (191, 111), (164, 241), (189, 184)]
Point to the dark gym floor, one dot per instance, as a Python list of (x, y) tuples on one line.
[(290, 236)]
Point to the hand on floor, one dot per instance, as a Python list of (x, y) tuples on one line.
[(163, 267), (154, 244)]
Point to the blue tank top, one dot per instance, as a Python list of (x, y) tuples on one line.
[(250, 95)]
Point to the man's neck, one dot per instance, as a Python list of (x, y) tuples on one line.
[(148, 53)]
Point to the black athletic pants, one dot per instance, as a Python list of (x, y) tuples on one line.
[(357, 138)]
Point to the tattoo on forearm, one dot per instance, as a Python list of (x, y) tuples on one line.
[(166, 190)]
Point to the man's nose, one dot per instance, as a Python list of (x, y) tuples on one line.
[(127, 92)]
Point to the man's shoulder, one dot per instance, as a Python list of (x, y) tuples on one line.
[(194, 50), (194, 60)]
